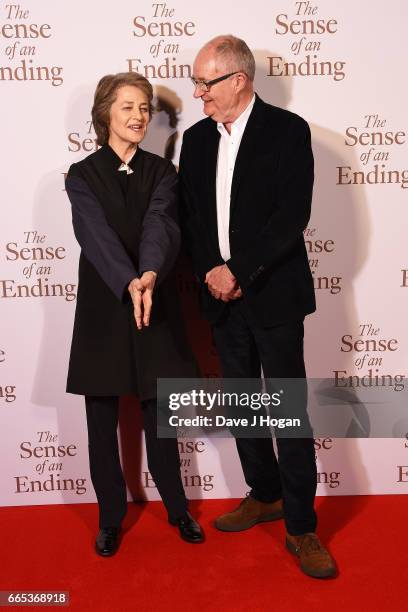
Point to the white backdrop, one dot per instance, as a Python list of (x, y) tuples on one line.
[(339, 65)]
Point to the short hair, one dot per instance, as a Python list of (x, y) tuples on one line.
[(105, 95), (235, 53)]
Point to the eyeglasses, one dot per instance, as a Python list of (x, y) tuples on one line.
[(205, 85)]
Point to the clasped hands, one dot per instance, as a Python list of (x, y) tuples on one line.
[(141, 292), (222, 284)]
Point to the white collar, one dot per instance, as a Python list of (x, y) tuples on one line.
[(241, 121)]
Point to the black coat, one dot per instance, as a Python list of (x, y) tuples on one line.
[(270, 207), (125, 224)]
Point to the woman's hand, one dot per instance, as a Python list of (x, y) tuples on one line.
[(141, 291)]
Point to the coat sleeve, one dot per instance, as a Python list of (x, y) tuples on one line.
[(291, 215), (160, 240), (99, 242)]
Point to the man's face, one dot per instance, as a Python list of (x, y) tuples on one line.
[(220, 101)]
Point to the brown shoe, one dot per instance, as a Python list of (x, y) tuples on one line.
[(249, 513), (315, 560)]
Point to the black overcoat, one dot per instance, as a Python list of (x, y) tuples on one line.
[(125, 224)]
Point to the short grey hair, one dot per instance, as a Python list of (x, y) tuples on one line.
[(235, 54)]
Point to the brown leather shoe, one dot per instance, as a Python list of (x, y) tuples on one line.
[(315, 560), (249, 513)]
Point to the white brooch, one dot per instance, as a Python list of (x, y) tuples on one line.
[(124, 166)]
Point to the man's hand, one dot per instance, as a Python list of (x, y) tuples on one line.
[(141, 291), (237, 293), (222, 284)]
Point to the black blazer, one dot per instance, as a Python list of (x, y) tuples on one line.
[(270, 207)]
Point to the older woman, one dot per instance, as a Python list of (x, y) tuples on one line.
[(128, 329)]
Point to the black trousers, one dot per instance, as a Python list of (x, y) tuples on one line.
[(106, 471), (243, 347)]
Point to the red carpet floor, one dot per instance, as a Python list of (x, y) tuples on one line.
[(51, 548)]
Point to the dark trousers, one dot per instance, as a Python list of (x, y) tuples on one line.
[(243, 347), (106, 471)]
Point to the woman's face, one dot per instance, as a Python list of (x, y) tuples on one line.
[(129, 116)]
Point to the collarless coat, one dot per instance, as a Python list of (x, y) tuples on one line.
[(109, 355)]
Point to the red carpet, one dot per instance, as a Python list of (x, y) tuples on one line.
[(51, 548)]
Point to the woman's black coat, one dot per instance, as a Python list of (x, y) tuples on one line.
[(125, 224)]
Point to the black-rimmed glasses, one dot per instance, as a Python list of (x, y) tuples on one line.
[(205, 85)]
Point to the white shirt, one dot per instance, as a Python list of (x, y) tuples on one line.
[(227, 154)]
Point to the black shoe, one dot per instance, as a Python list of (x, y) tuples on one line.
[(189, 529), (107, 541)]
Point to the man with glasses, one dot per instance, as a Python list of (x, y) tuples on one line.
[(246, 175)]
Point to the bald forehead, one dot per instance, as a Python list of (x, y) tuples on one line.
[(207, 62)]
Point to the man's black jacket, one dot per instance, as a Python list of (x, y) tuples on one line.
[(270, 207)]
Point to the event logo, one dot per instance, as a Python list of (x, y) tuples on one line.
[(187, 449), (402, 473), (375, 142), (35, 256), (306, 31), (370, 351), (323, 444), (83, 140), (7, 392), (332, 479), (316, 249), (48, 458), (20, 33), (163, 32)]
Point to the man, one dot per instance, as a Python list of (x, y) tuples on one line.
[(246, 179)]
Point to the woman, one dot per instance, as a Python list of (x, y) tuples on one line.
[(128, 329)]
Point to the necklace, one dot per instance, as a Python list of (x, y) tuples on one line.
[(124, 166)]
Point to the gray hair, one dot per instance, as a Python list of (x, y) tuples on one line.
[(235, 53)]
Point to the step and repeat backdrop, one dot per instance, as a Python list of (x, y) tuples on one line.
[(341, 66)]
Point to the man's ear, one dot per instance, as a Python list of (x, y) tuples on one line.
[(241, 81)]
